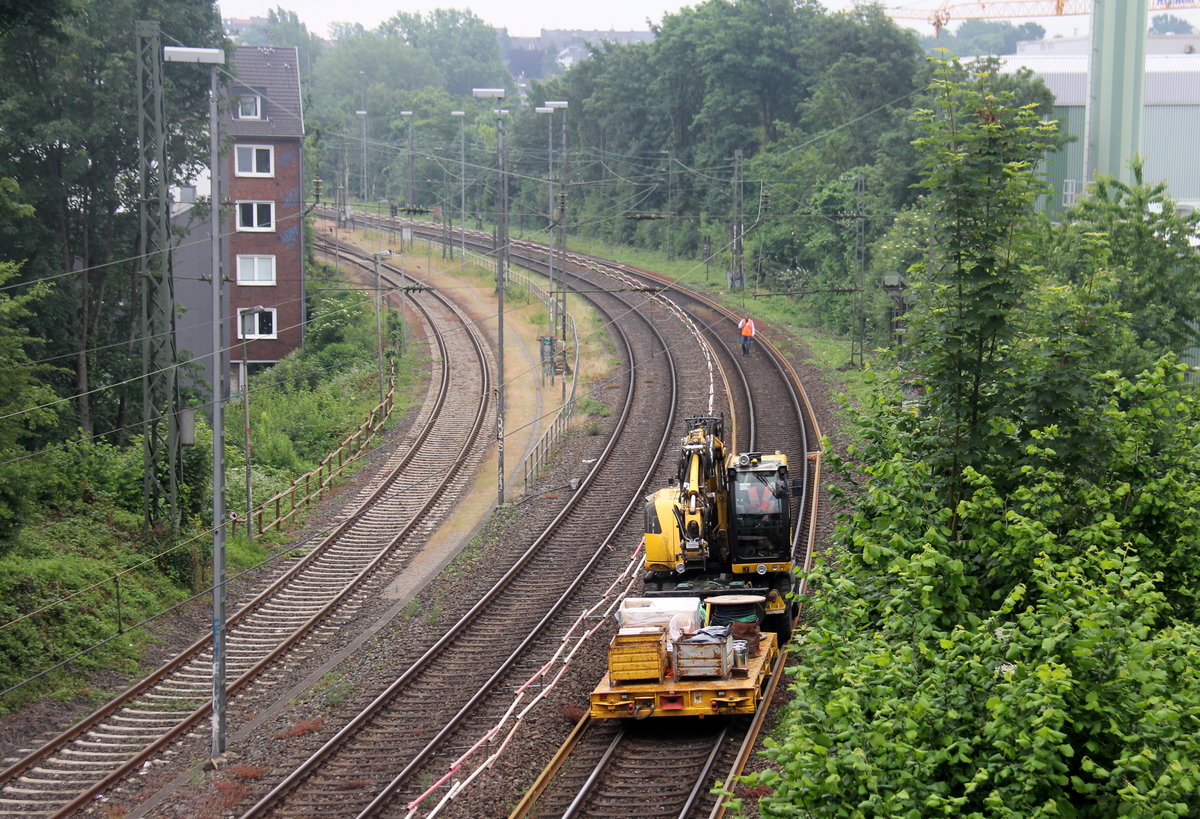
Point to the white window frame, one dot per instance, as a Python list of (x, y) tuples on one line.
[(238, 170), (241, 106), (257, 321), (1072, 188), (254, 226), (254, 263)]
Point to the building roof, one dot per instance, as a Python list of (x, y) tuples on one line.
[(272, 73), (1171, 79)]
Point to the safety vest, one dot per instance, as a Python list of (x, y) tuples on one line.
[(747, 326), (762, 499)]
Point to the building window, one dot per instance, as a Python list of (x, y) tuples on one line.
[(248, 107), (1071, 191), (256, 216), (256, 322), (254, 160), (256, 270)]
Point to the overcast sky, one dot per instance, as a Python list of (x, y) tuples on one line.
[(526, 18), (523, 18)]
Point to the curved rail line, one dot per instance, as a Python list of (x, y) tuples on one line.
[(423, 708), (777, 384), (794, 431), (64, 775)]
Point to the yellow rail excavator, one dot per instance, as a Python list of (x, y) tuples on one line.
[(723, 526), (703, 638)]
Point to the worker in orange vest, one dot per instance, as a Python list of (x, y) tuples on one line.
[(746, 325)]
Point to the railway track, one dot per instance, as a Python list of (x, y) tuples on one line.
[(428, 719), (605, 766), (327, 583), (768, 406), (425, 718), (616, 766), (775, 414)]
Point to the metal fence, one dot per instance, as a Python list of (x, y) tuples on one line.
[(277, 511)]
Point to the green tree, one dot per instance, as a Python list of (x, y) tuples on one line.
[(979, 152), (1025, 644), (26, 403), (285, 29), (979, 38), (1150, 250), (464, 48), (68, 135), (1169, 24)]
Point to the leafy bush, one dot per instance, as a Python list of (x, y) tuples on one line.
[(75, 557)]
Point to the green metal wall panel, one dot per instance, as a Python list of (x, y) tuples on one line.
[(1115, 86)]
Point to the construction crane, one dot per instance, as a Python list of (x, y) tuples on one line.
[(941, 16)]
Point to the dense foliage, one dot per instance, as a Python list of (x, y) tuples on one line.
[(69, 138), (76, 567), (1008, 626)]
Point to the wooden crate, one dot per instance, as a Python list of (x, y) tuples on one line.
[(638, 654)]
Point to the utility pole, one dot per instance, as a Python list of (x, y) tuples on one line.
[(381, 254), (363, 113), (562, 238), (363, 116), (670, 206), (501, 272), (214, 57), (462, 182), (501, 283), (858, 339), (408, 189), (738, 276), (160, 384)]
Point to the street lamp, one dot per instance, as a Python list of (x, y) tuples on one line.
[(501, 274), (562, 233), (363, 115), (248, 319), (546, 109), (376, 256), (214, 57), (462, 181)]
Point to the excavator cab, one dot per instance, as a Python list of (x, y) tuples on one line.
[(761, 528)]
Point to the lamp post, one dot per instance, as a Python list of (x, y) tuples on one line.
[(376, 256), (248, 320), (462, 181), (501, 275), (562, 232), (214, 57), (362, 114), (545, 109)]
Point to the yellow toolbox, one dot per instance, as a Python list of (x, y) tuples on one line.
[(638, 653)]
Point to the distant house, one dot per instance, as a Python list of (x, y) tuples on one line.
[(532, 56)]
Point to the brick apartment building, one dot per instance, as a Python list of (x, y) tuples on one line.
[(263, 176)]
